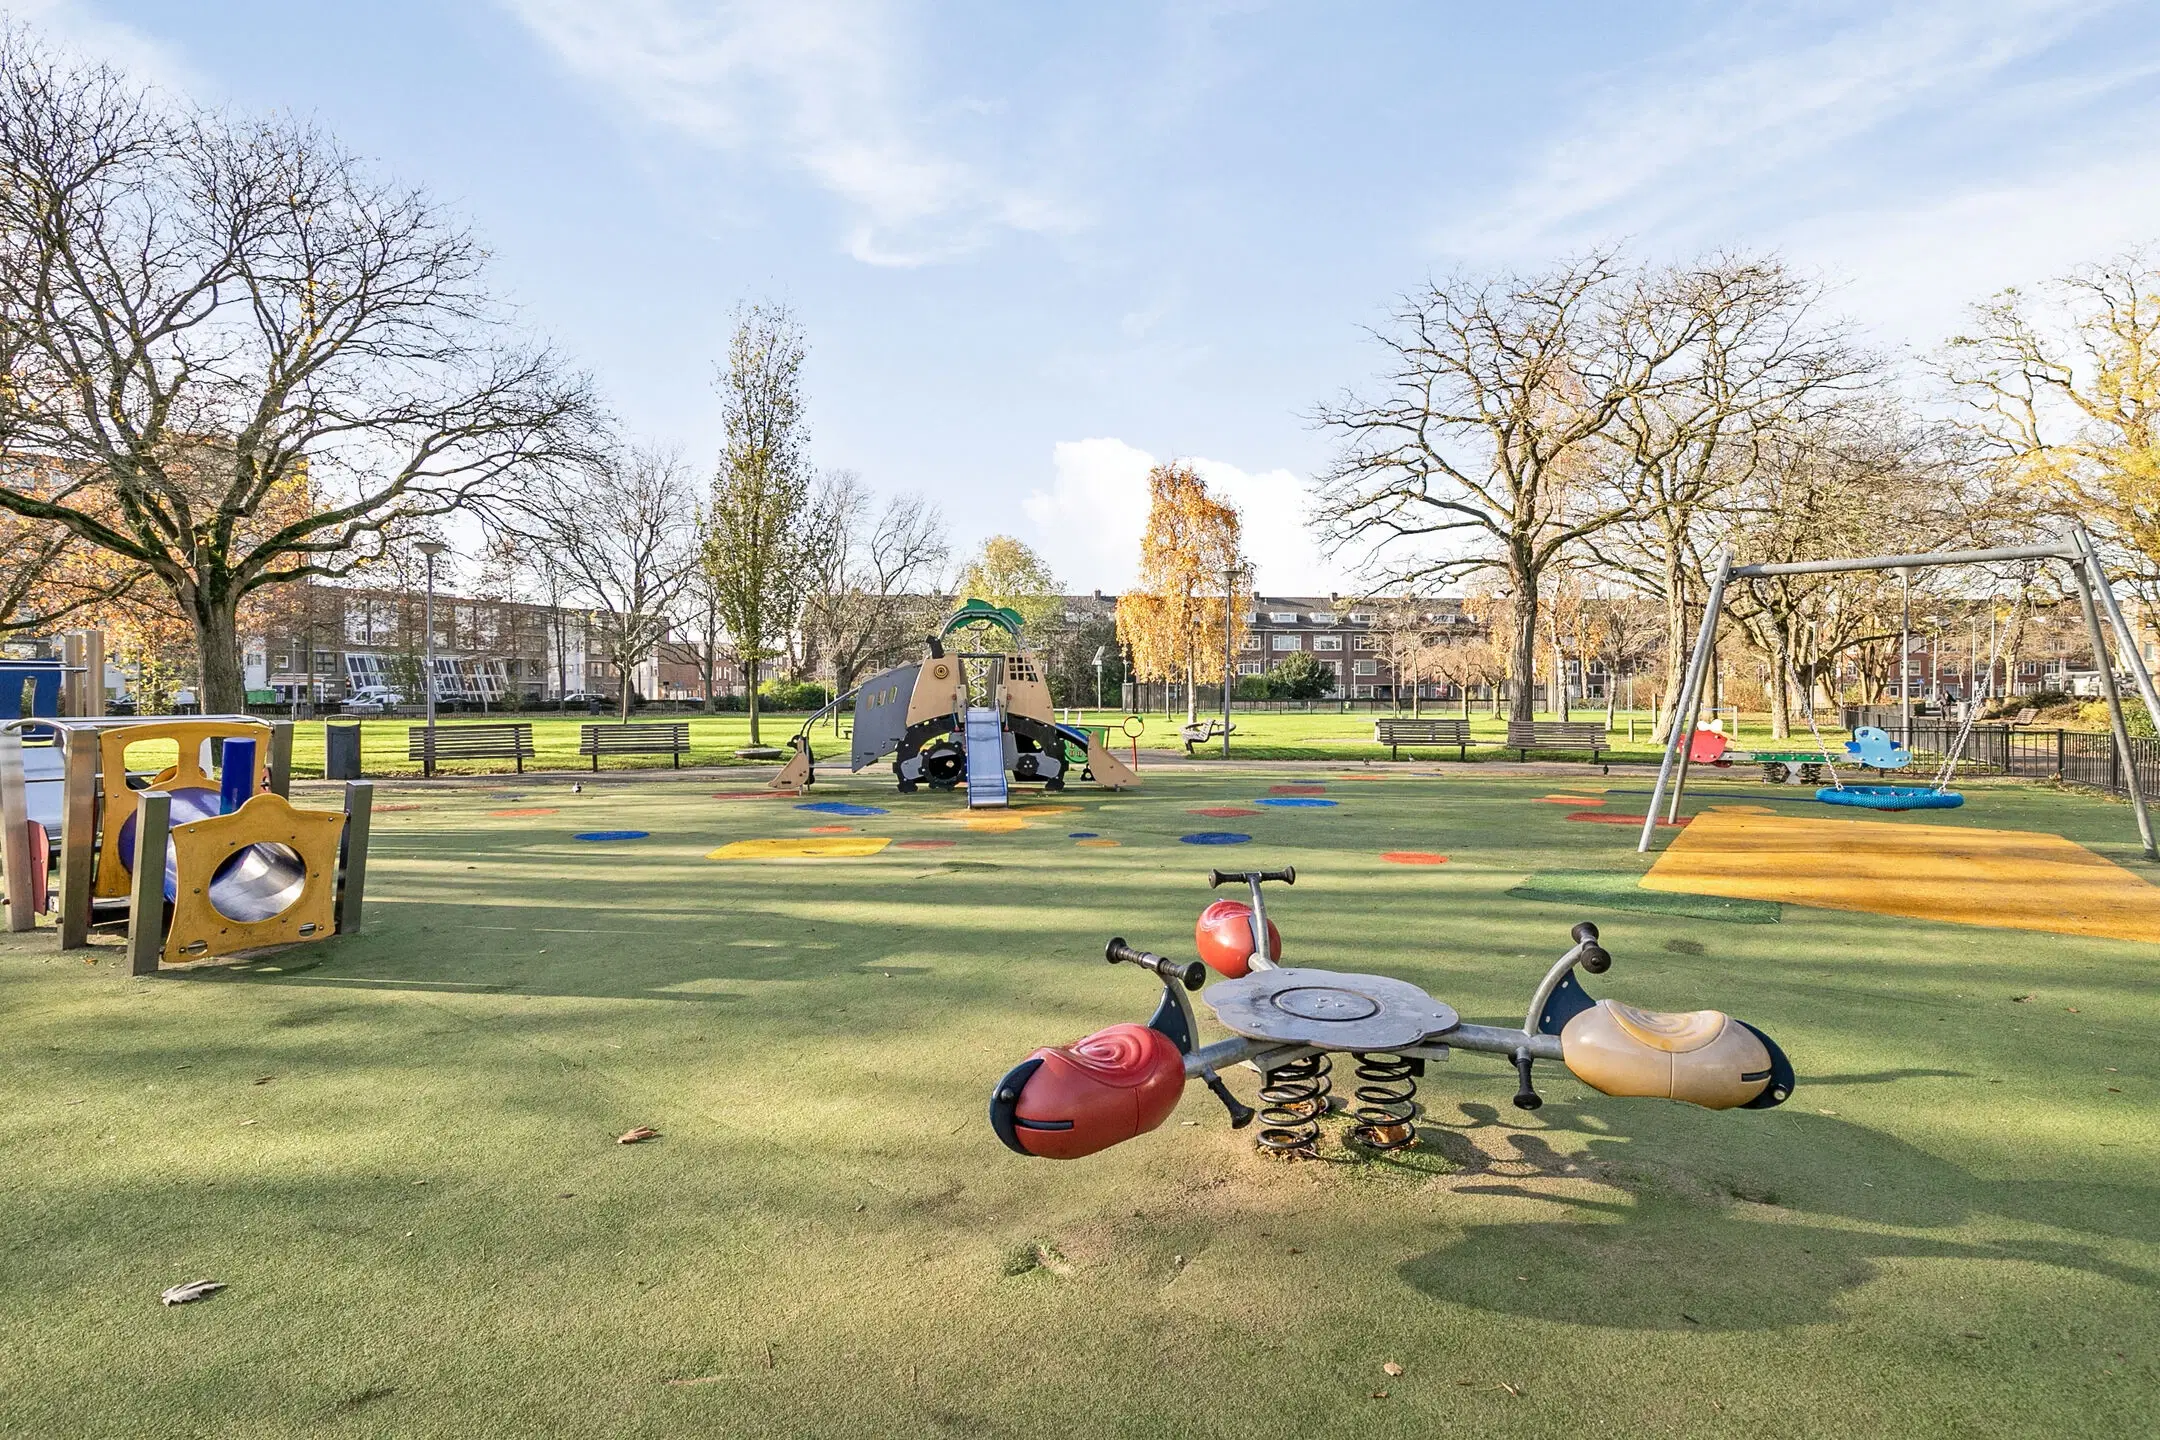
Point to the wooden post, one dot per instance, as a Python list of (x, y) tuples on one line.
[(15, 859), (78, 835), (281, 738), (146, 897)]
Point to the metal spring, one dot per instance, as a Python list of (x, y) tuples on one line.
[(1387, 1107), (1293, 1097)]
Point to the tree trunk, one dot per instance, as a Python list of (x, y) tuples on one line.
[(1192, 693), (1780, 704), (1522, 703), (624, 664), (1676, 647), (217, 644), (750, 674)]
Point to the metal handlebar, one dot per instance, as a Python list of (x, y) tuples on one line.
[(1287, 875), (1192, 974)]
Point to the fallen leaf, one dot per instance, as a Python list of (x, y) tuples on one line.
[(2021, 999), (2070, 1009), (637, 1136), (1392, 1368), (247, 1122), (1295, 1251), (189, 1293), (1379, 1394), (2114, 1089), (266, 1079)]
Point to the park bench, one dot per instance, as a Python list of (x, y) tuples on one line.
[(1396, 732), (1523, 736), (669, 738), (1202, 731), (469, 742)]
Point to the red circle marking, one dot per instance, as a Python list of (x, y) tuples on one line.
[(1412, 857)]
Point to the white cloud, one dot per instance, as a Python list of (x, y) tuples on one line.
[(1089, 522), (74, 28), (822, 84), (1745, 111)]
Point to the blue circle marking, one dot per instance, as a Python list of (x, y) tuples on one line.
[(612, 835), (1083, 835), (1214, 837), (841, 807), (1297, 802)]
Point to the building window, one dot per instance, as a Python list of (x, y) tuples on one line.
[(1327, 642), (1361, 617), (1366, 667), (1284, 642), (1251, 642), (1251, 667), (1251, 617), (1361, 692), (1282, 617), (1322, 617), (1366, 642)]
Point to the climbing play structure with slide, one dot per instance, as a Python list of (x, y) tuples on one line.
[(202, 857), (1068, 1101), (975, 717)]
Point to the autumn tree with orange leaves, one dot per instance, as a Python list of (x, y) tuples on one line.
[(1190, 565)]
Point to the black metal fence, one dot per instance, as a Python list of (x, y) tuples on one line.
[(2081, 757)]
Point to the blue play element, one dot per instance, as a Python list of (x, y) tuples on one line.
[(41, 678), (1297, 802), (1214, 837), (1870, 746), (1891, 797), (986, 757), (236, 774), (839, 807), (612, 835), (1082, 835)]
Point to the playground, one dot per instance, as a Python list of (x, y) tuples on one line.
[(399, 1150)]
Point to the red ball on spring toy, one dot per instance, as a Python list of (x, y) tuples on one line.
[(1224, 938)]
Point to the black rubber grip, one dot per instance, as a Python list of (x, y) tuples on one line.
[(1287, 875), (1594, 957), (1192, 974)]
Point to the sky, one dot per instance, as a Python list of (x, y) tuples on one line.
[(1037, 249)]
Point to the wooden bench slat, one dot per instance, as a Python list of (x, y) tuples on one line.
[(651, 737), (1396, 732), (470, 742), (1525, 736)]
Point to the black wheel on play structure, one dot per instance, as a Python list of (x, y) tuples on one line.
[(1054, 783), (943, 765)]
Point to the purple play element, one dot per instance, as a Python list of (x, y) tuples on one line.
[(1297, 802), (612, 835), (1214, 837), (841, 807)]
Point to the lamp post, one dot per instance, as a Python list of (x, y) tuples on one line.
[(1904, 656), (431, 549), (1099, 649), (1231, 576)]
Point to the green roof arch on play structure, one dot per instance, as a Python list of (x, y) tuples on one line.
[(982, 612)]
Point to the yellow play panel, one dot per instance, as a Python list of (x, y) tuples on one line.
[(2013, 879), (802, 847)]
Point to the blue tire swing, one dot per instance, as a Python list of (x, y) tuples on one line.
[(1890, 797)]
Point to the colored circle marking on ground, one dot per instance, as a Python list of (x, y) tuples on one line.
[(1214, 837), (1412, 857), (841, 807), (802, 847), (832, 829), (1095, 844), (1298, 802), (520, 814), (1223, 812), (1299, 787), (604, 835), (1083, 835)]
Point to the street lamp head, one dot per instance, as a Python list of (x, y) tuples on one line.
[(431, 548)]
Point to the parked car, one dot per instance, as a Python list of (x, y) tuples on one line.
[(120, 705), (373, 700), (590, 700)]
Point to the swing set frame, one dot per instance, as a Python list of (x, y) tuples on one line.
[(2090, 576)]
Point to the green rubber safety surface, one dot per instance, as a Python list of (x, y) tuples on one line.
[(398, 1149), (1618, 890)]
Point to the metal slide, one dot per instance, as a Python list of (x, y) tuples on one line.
[(986, 758)]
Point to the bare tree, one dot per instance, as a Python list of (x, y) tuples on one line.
[(1481, 451), (754, 547), (624, 533), (874, 581), (1756, 358), (244, 356)]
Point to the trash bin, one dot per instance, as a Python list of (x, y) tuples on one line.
[(341, 752)]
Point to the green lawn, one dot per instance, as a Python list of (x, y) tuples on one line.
[(398, 1149), (714, 739)]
